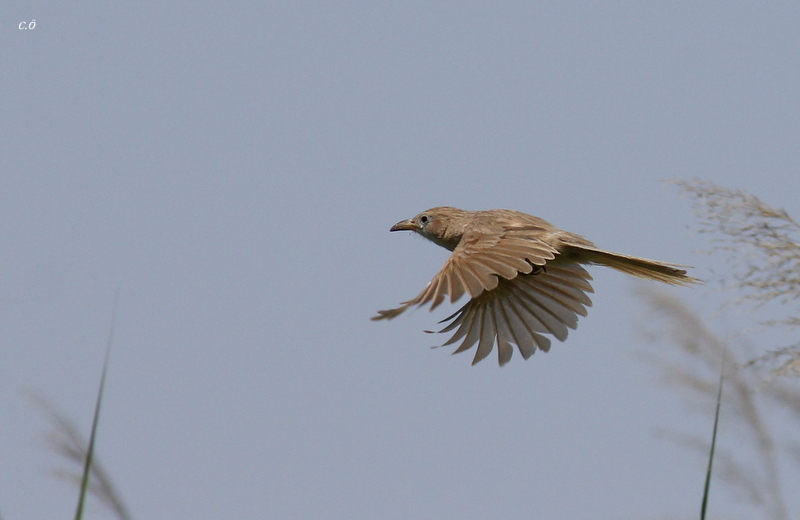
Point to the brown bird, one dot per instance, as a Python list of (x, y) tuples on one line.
[(523, 274)]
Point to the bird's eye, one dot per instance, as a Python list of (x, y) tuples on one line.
[(424, 219)]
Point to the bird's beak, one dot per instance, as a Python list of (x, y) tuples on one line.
[(404, 225)]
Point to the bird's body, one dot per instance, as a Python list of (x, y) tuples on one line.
[(523, 274)]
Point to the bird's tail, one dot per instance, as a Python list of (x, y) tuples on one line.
[(673, 274)]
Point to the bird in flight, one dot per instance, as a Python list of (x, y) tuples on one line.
[(524, 276)]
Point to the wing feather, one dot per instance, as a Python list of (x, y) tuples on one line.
[(519, 310), (562, 298), (472, 330), (477, 264), (520, 334), (488, 333), (538, 315)]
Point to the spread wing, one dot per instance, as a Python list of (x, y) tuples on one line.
[(479, 262), (518, 310)]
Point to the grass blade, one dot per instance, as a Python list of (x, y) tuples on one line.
[(713, 439), (87, 466)]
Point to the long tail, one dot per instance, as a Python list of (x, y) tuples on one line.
[(673, 274)]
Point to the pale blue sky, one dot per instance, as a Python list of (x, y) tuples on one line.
[(233, 168)]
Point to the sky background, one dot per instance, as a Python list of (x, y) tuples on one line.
[(231, 170)]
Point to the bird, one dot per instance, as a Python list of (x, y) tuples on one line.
[(524, 276)]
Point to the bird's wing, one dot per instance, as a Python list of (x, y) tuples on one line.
[(517, 310), (482, 258)]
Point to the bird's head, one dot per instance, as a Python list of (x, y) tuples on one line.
[(443, 225)]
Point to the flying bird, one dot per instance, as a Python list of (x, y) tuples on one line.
[(524, 276)]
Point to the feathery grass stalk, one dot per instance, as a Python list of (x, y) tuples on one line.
[(690, 364), (762, 245), (765, 241)]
